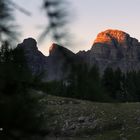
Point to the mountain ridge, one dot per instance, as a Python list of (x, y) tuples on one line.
[(111, 48)]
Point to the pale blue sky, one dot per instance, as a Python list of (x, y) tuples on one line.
[(89, 17)]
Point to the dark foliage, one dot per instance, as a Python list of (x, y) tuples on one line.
[(18, 104), (84, 83), (7, 25), (57, 14), (122, 87)]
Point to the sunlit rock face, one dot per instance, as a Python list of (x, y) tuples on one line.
[(113, 38), (35, 59), (115, 48)]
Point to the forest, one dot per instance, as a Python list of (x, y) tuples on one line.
[(89, 84)]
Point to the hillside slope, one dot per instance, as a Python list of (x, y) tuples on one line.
[(83, 120)]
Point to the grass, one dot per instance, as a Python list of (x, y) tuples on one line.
[(68, 119)]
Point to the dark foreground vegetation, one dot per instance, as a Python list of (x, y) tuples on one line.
[(19, 106)]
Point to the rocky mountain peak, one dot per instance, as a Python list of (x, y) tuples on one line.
[(29, 44), (35, 59), (115, 49), (115, 38), (57, 50), (54, 48)]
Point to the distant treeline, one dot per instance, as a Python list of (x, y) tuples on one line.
[(85, 83)]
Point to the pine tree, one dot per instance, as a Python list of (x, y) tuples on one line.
[(138, 85), (7, 25), (108, 82), (18, 106), (94, 85), (57, 15)]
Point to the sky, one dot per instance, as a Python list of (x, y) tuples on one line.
[(88, 18)]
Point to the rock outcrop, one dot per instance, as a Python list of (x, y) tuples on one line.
[(59, 62), (35, 59)]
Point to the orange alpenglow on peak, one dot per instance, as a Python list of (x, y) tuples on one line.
[(55, 48), (52, 47), (109, 35)]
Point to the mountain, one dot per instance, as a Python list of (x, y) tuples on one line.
[(35, 59), (56, 66), (59, 62), (114, 48), (111, 48)]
